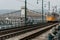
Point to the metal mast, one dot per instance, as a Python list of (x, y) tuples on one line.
[(42, 12), (25, 12)]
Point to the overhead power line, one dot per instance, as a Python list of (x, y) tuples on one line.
[(29, 4)]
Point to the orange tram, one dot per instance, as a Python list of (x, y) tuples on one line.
[(52, 18)]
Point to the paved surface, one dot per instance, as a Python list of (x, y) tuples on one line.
[(41, 37)]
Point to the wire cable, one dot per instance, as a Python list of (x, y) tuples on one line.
[(29, 4)]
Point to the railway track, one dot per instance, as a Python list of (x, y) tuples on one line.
[(33, 35), (14, 32)]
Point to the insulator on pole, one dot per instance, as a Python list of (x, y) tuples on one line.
[(37, 1)]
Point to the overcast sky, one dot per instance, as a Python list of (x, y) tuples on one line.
[(16, 4)]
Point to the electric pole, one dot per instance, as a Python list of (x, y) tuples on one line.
[(56, 9), (25, 12), (49, 6), (42, 12)]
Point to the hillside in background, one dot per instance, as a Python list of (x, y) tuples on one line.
[(3, 11)]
